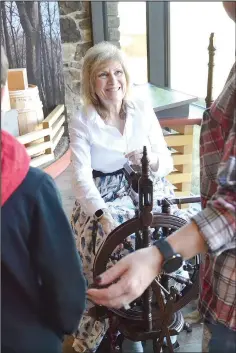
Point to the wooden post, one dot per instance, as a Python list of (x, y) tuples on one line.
[(211, 50)]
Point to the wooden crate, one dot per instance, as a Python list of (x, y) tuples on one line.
[(17, 79), (45, 138)]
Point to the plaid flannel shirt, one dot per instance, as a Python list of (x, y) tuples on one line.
[(216, 221)]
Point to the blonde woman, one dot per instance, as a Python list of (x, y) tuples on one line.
[(109, 130)]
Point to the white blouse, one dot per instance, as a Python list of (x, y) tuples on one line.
[(98, 146)]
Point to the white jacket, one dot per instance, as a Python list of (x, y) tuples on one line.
[(98, 146)]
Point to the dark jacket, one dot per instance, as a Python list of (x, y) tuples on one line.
[(42, 285)]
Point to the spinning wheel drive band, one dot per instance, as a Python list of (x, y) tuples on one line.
[(155, 314)]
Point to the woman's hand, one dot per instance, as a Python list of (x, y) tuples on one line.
[(135, 272), (135, 157), (108, 223)]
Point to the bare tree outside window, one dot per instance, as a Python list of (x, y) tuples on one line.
[(31, 37)]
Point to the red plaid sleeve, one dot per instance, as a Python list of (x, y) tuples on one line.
[(217, 221)]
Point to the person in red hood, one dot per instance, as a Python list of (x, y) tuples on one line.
[(43, 287)]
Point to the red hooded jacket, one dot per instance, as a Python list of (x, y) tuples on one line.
[(14, 165), (42, 284)]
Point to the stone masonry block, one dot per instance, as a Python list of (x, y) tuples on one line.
[(75, 65), (86, 35), (67, 7), (113, 22), (113, 34), (71, 74), (68, 51), (86, 6), (81, 15), (85, 23), (112, 8), (69, 31), (81, 50)]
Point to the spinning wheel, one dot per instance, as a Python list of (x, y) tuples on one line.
[(156, 314)]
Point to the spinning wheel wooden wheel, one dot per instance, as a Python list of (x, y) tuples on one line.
[(156, 314)]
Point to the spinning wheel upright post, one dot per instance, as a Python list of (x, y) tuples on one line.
[(211, 50), (145, 190)]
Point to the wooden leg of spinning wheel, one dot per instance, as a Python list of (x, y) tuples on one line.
[(119, 342), (115, 342), (156, 346), (166, 311)]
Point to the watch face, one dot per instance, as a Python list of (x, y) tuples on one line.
[(173, 264), (99, 213)]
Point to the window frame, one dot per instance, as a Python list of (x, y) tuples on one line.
[(98, 21), (158, 37)]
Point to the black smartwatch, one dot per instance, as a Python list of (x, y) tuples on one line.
[(98, 214), (172, 261)]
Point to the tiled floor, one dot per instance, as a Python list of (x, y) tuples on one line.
[(188, 342), (64, 184)]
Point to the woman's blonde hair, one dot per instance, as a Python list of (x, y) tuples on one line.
[(94, 58)]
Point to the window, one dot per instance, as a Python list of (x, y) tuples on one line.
[(133, 38), (167, 42), (191, 24)]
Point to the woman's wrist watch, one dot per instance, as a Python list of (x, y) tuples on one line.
[(172, 261), (100, 213)]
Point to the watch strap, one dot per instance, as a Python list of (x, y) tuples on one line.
[(165, 248), (100, 213)]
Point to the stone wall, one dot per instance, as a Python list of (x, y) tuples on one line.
[(113, 23), (76, 38)]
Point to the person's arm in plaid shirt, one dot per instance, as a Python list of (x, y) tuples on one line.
[(217, 221), (214, 228)]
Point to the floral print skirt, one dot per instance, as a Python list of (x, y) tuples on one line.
[(122, 203)]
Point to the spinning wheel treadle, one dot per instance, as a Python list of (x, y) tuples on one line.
[(156, 314)]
